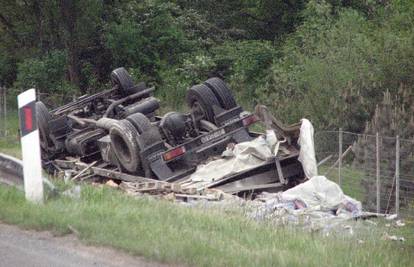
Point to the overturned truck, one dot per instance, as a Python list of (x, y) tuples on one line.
[(120, 133)]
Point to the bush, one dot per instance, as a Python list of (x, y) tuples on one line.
[(244, 65), (336, 66), (7, 69), (147, 37), (46, 74)]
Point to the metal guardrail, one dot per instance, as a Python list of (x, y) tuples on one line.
[(11, 171)]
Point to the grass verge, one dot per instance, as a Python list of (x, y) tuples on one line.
[(167, 232), (9, 144)]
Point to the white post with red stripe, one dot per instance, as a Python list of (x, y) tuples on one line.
[(32, 166)]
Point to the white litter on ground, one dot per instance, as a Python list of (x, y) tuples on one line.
[(316, 203)]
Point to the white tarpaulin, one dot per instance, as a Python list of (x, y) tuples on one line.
[(248, 155), (319, 191), (316, 203), (307, 149), (241, 157)]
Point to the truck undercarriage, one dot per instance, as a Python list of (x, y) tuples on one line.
[(117, 133)]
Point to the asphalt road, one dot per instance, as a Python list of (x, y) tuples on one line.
[(28, 248)]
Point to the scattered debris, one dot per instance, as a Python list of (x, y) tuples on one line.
[(73, 192), (391, 217), (171, 191), (111, 183), (73, 230), (82, 172), (372, 222), (399, 223), (316, 203), (386, 236), (207, 156)]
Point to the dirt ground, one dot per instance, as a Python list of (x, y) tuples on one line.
[(29, 248)]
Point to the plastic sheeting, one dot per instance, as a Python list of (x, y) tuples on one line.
[(307, 149), (248, 155), (322, 193), (317, 203), (238, 158)]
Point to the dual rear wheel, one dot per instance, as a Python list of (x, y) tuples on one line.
[(126, 142), (204, 98)]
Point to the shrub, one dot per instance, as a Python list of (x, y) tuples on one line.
[(46, 74), (147, 36), (337, 56), (244, 65)]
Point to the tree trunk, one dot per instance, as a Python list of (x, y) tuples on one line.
[(68, 11), (37, 10)]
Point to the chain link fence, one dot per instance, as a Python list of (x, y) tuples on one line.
[(377, 170), (8, 113), (3, 112)]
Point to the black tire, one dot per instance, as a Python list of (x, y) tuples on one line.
[(149, 134), (222, 92), (201, 96), (123, 80), (150, 137), (43, 117), (125, 146), (140, 122)]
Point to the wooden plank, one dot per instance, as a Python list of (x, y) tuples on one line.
[(84, 170), (261, 178), (256, 187), (337, 161), (210, 197), (120, 176), (65, 164)]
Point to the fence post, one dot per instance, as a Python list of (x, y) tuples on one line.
[(5, 111), (378, 173), (1, 111), (397, 175), (340, 156)]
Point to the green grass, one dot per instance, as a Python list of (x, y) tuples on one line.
[(351, 180), (167, 232), (10, 144)]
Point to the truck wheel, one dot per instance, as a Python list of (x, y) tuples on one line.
[(150, 135), (222, 92), (201, 100), (123, 80), (124, 142), (43, 117), (140, 122)]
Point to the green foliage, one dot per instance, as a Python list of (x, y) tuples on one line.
[(261, 19), (9, 144), (244, 64), (7, 69), (147, 36), (327, 60), (46, 74), (340, 56)]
